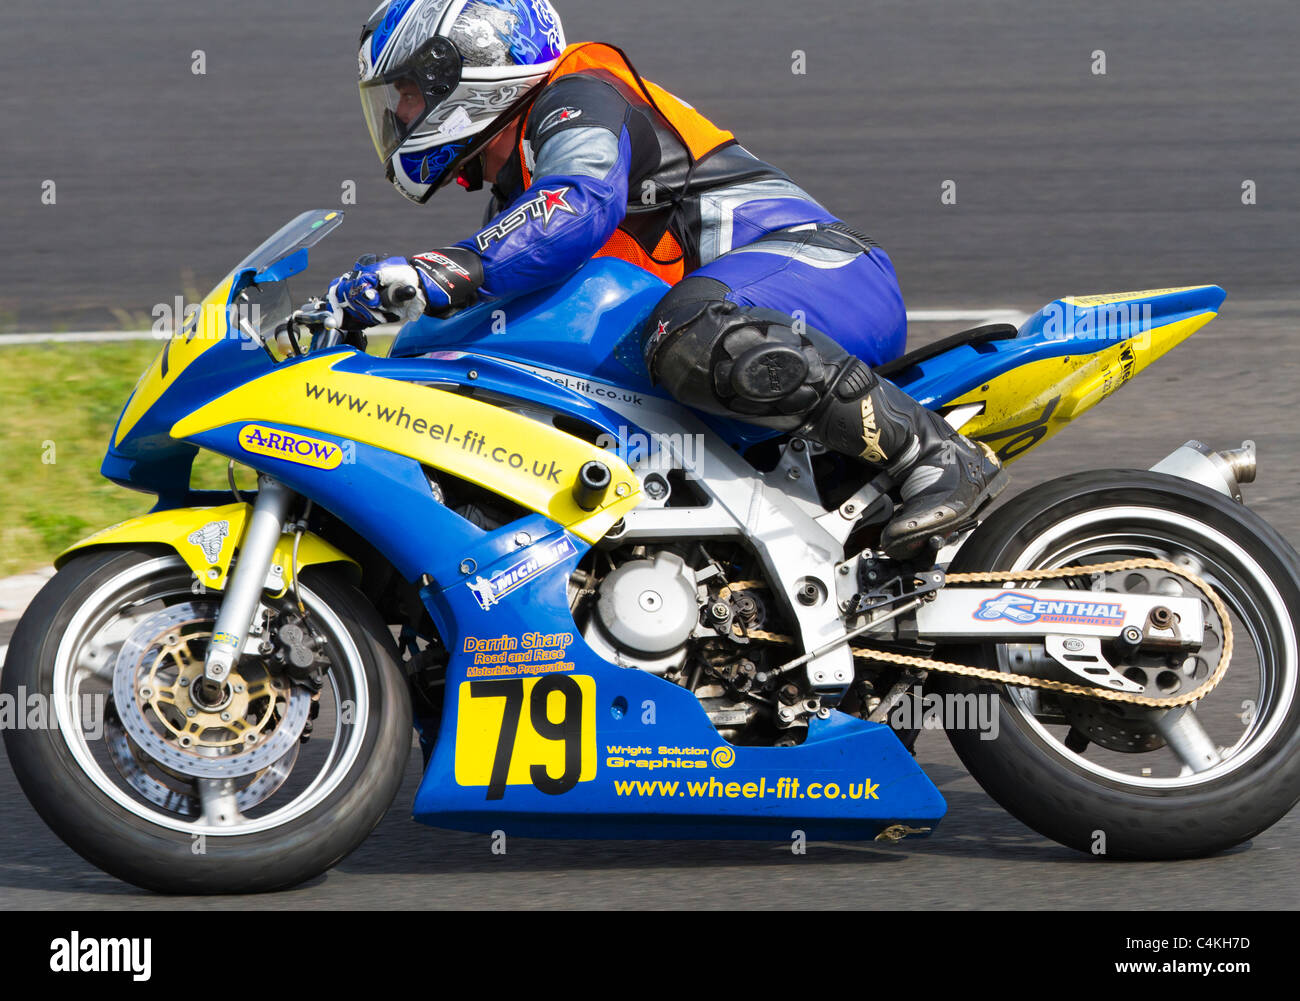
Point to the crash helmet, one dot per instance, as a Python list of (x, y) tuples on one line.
[(441, 78)]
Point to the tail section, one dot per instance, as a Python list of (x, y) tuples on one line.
[(1017, 391)]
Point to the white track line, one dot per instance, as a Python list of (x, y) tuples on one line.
[(978, 316), (14, 340), (981, 316)]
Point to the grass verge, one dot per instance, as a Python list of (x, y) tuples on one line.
[(59, 404)]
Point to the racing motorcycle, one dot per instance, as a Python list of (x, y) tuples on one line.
[(608, 616)]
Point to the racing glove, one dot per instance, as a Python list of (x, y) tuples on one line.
[(443, 281)]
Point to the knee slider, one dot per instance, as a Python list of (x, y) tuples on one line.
[(761, 366)]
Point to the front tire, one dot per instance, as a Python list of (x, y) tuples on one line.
[(1127, 792), (141, 817)]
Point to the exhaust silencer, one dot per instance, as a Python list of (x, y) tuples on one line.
[(1223, 471)]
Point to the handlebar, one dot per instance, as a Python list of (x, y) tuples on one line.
[(318, 319), (397, 296)]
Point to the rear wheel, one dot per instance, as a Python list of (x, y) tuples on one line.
[(1129, 782), (178, 790)]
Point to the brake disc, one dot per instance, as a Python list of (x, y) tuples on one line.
[(253, 724), (174, 792)]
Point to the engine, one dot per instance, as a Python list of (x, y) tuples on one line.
[(700, 620)]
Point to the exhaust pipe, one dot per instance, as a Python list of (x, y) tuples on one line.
[(1223, 471)]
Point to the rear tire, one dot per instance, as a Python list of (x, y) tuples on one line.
[(1096, 805), (101, 817)]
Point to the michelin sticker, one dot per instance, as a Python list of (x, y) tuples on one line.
[(488, 591), (209, 538)]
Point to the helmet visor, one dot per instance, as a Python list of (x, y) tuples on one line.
[(397, 103)]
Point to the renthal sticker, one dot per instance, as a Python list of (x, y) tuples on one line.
[(543, 208), (296, 448), (209, 538), (1025, 609), (488, 591), (505, 656), (557, 117)]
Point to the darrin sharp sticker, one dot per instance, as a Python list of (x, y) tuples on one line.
[(490, 590)]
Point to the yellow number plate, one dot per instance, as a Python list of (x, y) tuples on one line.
[(527, 731)]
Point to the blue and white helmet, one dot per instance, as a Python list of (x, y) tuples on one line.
[(441, 78)]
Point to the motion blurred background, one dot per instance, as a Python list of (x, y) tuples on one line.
[(1067, 181)]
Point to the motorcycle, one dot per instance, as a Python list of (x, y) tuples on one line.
[(608, 616)]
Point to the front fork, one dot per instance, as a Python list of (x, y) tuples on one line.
[(245, 585)]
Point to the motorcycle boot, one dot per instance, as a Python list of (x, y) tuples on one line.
[(943, 477), (759, 365)]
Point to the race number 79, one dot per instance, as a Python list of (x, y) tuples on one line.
[(527, 731)]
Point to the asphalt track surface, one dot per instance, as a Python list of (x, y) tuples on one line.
[(1066, 183)]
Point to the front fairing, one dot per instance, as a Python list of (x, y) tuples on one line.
[(214, 351)]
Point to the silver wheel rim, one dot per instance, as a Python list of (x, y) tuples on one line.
[(1136, 530), (107, 604)]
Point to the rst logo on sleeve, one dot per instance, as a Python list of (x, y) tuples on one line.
[(490, 590), (297, 448), (543, 208)]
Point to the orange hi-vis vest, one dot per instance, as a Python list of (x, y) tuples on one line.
[(697, 134)]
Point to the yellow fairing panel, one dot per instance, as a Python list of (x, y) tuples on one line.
[(176, 356), (1031, 402), (206, 538), (532, 463)]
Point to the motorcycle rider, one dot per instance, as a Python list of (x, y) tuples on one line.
[(777, 310)]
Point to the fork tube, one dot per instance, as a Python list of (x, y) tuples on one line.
[(244, 587)]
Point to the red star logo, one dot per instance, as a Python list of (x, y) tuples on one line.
[(553, 201), (663, 328)]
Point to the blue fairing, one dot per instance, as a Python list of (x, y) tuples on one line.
[(588, 327), (149, 458), (659, 769)]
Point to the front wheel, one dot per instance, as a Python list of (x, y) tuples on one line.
[(174, 787), (1124, 781)]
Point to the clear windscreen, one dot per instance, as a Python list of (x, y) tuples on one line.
[(268, 300)]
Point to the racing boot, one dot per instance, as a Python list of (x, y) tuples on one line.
[(944, 478), (753, 364)]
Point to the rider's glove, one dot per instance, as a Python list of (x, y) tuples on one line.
[(358, 294), (444, 281), (450, 279)]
